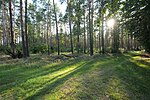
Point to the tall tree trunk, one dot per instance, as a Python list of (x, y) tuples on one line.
[(11, 28), (99, 36), (122, 37), (57, 37), (48, 39), (128, 42), (103, 29), (99, 41), (84, 32), (90, 30), (78, 29), (26, 28), (65, 35), (34, 21), (106, 37), (47, 31), (70, 25), (131, 46), (88, 33), (114, 40), (50, 28), (22, 31), (13, 19), (3, 23)]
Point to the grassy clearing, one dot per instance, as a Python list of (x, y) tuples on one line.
[(104, 77)]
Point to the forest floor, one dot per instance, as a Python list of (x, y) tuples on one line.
[(101, 77)]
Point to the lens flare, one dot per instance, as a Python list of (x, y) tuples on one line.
[(110, 23)]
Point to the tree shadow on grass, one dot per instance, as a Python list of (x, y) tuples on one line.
[(119, 79), (18, 74), (135, 78), (86, 67), (109, 77)]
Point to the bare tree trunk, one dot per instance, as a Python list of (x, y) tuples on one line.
[(57, 37), (34, 21), (122, 37), (3, 23), (84, 32), (70, 25), (103, 34), (99, 41), (128, 42), (90, 30), (65, 38), (78, 29), (11, 28), (103, 51), (13, 19), (22, 31), (50, 28), (26, 28), (99, 36), (48, 38), (47, 32)]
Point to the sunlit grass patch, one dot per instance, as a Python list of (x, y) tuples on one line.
[(119, 77)]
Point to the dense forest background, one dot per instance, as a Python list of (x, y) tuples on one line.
[(87, 26), (74, 49)]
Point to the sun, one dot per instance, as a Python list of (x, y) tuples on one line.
[(110, 23)]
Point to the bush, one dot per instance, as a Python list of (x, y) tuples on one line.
[(64, 49), (8, 51), (108, 49), (39, 48), (4, 48), (121, 50)]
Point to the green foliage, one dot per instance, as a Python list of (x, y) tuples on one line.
[(64, 49), (4, 48), (109, 49), (8, 51), (121, 50), (38, 48), (138, 14), (19, 46)]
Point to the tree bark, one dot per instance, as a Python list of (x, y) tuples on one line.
[(11, 28), (57, 37), (99, 36), (103, 51), (48, 51), (78, 28), (3, 24), (70, 25), (84, 32), (22, 31), (90, 30), (26, 28)]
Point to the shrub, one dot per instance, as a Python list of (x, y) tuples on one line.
[(4, 48), (38, 48), (121, 50)]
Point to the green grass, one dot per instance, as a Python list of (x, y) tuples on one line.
[(101, 77)]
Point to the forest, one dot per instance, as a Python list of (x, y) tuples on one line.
[(75, 49)]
